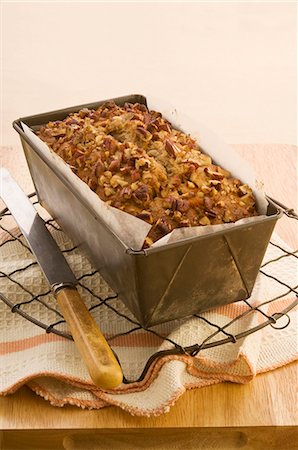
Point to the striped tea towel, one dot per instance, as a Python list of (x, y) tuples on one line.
[(51, 366)]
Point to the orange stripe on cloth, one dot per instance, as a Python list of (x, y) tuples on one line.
[(233, 310), (278, 305), (24, 344), (141, 340), (134, 340)]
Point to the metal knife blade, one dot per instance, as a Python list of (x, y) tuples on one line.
[(100, 361), (40, 240)]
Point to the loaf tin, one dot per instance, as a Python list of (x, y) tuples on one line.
[(158, 284)]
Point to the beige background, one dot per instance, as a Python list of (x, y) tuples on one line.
[(232, 65)]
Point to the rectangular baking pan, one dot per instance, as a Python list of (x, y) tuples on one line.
[(158, 284)]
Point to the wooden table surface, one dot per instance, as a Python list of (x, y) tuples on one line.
[(259, 415)]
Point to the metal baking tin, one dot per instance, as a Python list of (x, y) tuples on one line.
[(158, 284)]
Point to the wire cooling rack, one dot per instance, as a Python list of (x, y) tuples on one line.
[(219, 336)]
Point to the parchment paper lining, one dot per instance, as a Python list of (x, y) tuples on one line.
[(131, 230)]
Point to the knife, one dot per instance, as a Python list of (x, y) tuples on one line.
[(91, 344)]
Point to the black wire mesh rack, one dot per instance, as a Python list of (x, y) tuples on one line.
[(219, 336)]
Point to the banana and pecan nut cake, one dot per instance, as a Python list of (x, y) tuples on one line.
[(137, 162)]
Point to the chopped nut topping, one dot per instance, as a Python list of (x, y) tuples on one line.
[(114, 165), (146, 215), (171, 148), (204, 221), (213, 174), (206, 189), (142, 193), (125, 192), (244, 189), (134, 186), (109, 191), (221, 203), (215, 183), (137, 162), (191, 185), (177, 215), (142, 162), (116, 180), (102, 179), (227, 216)]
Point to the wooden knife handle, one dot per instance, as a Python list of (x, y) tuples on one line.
[(91, 344)]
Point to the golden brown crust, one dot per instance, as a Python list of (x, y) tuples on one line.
[(136, 161)]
